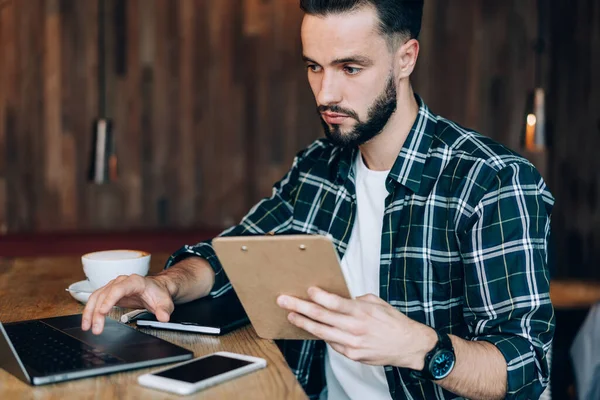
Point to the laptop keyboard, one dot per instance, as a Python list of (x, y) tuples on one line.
[(50, 351)]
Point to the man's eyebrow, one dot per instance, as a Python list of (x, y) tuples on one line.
[(365, 61), (362, 60)]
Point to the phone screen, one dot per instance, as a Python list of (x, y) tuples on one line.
[(204, 368)]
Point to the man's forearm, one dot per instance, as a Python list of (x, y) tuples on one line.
[(479, 372), (188, 280)]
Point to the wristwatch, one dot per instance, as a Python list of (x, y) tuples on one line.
[(439, 362)]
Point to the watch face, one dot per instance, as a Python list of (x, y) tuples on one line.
[(442, 364)]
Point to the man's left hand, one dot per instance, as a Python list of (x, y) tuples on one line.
[(366, 329)]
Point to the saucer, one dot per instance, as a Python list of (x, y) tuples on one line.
[(81, 291)]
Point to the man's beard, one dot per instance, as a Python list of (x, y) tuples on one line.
[(378, 116)]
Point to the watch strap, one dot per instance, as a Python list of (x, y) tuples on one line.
[(444, 343)]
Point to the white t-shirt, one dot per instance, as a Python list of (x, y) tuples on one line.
[(347, 379)]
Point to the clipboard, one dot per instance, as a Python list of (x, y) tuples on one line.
[(260, 268)]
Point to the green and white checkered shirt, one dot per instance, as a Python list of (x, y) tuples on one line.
[(463, 246)]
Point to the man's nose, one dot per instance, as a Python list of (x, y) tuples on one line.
[(330, 91)]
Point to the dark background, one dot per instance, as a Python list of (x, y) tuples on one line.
[(210, 102)]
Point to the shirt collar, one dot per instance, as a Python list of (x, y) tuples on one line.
[(408, 167)]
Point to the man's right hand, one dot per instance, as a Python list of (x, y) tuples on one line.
[(132, 291), (188, 280)]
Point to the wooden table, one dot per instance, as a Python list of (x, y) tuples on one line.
[(574, 294), (35, 288)]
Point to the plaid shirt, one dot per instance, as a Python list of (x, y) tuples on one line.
[(463, 246)]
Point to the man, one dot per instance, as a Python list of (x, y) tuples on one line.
[(442, 232)]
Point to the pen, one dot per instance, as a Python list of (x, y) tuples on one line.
[(131, 316)]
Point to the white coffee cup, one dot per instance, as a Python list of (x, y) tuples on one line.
[(101, 267)]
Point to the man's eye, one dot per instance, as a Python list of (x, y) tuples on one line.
[(352, 70), (313, 68)]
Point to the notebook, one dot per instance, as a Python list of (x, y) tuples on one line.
[(213, 316)]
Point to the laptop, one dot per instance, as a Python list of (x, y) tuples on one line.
[(211, 316), (53, 350)]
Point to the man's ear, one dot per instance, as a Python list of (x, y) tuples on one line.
[(406, 58)]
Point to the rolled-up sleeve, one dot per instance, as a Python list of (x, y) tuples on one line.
[(206, 251), (506, 279)]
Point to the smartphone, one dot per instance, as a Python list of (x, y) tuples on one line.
[(200, 373)]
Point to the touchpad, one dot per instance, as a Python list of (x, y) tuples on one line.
[(112, 336)]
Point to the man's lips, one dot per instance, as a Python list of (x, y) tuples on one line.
[(334, 118)]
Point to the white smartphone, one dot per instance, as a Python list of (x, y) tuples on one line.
[(200, 373)]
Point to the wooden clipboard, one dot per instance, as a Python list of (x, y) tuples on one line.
[(260, 268)]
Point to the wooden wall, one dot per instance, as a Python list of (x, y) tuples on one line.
[(208, 98), (575, 111), (477, 63), (210, 103)]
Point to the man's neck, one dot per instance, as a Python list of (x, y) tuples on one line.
[(381, 152)]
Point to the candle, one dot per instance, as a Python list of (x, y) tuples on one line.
[(530, 132)]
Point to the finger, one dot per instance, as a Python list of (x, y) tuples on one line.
[(317, 312), (371, 298), (121, 288), (162, 313), (98, 316), (88, 311), (351, 353), (338, 347), (331, 301), (157, 299), (322, 331), (120, 278)]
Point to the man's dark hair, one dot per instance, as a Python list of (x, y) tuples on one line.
[(397, 17)]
